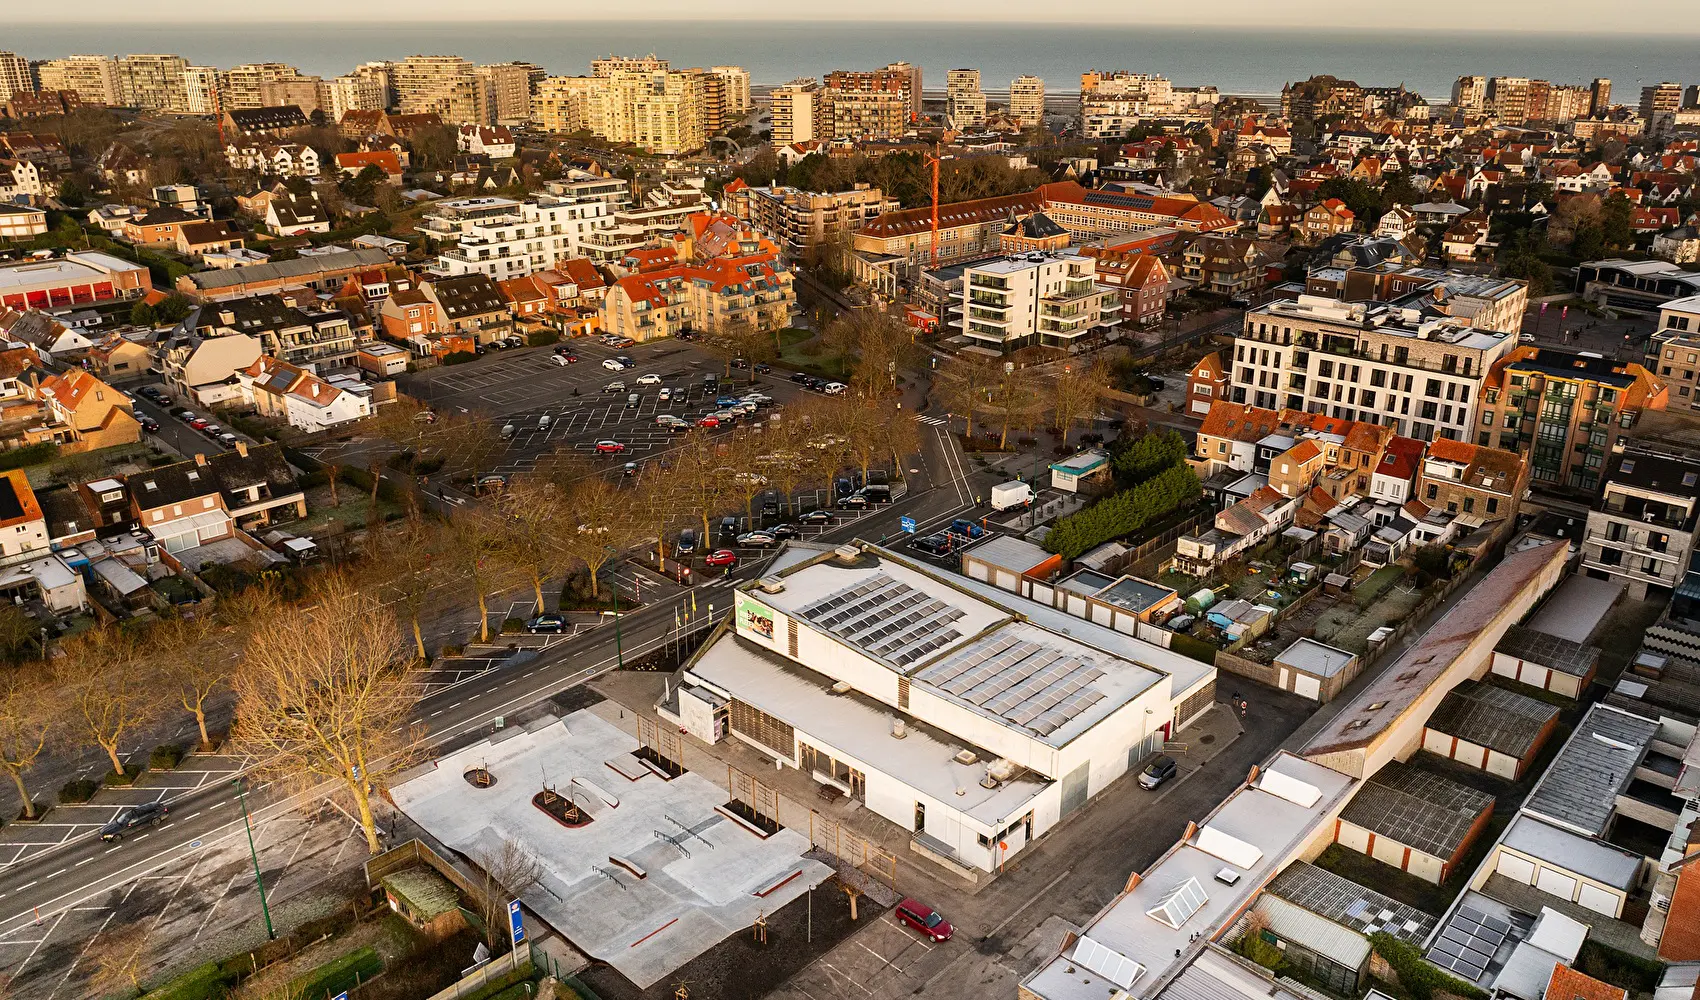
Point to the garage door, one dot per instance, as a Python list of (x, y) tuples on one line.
[(1354, 837), (1516, 868), (1438, 742), (1556, 884), (1006, 580), (1307, 686), (1599, 900), (977, 570)]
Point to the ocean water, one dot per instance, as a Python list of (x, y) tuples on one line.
[(1237, 60)]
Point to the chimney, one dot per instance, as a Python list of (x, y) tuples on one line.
[(242, 448), (200, 459), (1191, 828)]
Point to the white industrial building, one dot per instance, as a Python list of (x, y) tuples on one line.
[(973, 717)]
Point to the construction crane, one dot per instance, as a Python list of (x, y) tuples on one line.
[(933, 159)]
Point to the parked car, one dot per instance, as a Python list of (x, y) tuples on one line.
[(721, 557), (609, 448), (687, 541), (516, 341), (801, 378), (854, 501), (650, 379), (757, 539), (149, 424), (966, 528), (492, 483), (708, 420), (924, 919), (613, 365), (1161, 769), (728, 527), (784, 531), (184, 415), (740, 363), (615, 386), (816, 517), (624, 361), (212, 430), (133, 818), (727, 401), (935, 545), (762, 368), (834, 388), (546, 623), (629, 470), (665, 394), (563, 360), (200, 423), (227, 439)]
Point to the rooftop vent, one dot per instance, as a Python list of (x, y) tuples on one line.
[(966, 757), (899, 729), (771, 584), (847, 553), (842, 687)]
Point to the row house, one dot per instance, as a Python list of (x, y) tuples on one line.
[(1325, 219), (494, 141), (470, 306), (27, 181), (297, 329), (1237, 529), (20, 223), (289, 214), (1477, 484), (1234, 266), (704, 296), (210, 498), (1566, 412), (287, 160)]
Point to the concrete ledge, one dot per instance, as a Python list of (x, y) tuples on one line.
[(945, 862), (741, 821)]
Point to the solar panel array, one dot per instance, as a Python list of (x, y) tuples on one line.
[(1035, 686), (887, 618), (1467, 944), (1345, 902)]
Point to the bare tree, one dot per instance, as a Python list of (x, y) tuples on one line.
[(1015, 397), (195, 662), (110, 689), (475, 549), (29, 712), (509, 871), (120, 962), (696, 470), (598, 524), (1076, 394), (407, 567), (536, 511), (964, 383), (324, 696)]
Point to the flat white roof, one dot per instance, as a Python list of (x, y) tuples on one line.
[(1572, 852), (61, 269), (860, 727), (1254, 833)]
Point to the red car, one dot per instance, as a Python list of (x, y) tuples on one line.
[(609, 447), (199, 424), (924, 919), (721, 557), (709, 420)]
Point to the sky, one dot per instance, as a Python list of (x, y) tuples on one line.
[(1624, 16)]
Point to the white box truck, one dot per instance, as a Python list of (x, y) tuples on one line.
[(1007, 495)]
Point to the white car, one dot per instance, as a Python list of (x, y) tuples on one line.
[(613, 365), (650, 379), (665, 394), (834, 388), (560, 359)]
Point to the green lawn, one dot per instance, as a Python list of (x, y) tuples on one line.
[(800, 350)]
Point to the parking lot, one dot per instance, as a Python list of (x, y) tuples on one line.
[(883, 958)]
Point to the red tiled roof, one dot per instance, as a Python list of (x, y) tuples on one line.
[(1568, 984), (1239, 422), (1401, 458)]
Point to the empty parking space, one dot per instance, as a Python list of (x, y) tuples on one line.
[(885, 958)]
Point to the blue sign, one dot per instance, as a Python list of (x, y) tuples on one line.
[(516, 922), (341, 996), (907, 524)]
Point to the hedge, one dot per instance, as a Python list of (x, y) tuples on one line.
[(1420, 980), (78, 790), (165, 757), (543, 338), (333, 977), (459, 357), (29, 454), (204, 982), (1123, 513)]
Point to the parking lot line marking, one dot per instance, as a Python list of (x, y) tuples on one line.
[(59, 873), (82, 862), (26, 885), (436, 713)]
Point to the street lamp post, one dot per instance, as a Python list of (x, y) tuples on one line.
[(271, 932)]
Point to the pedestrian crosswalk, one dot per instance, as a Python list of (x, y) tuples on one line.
[(934, 421)]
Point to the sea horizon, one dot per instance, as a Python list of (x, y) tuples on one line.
[(1238, 60)]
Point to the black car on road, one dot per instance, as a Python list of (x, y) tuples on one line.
[(134, 818)]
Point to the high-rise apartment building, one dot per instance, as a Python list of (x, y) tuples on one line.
[(382, 74), (661, 110), (736, 82), (1027, 101), (562, 103), (897, 78), (442, 85), (1599, 98), (14, 76), (94, 79), (511, 85), (795, 107), (352, 93), (201, 90), (1659, 105), (309, 93), (240, 85), (965, 102), (1469, 93), (614, 64), (861, 114), (153, 82), (1508, 97)]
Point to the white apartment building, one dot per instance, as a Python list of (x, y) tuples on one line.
[(796, 109), (1027, 101), (1673, 352), (736, 81), (562, 103), (1053, 299), (636, 228), (14, 76), (94, 79), (442, 85), (502, 238), (1113, 103), (1641, 530), (1369, 361), (243, 87), (201, 90), (965, 101), (972, 717)]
